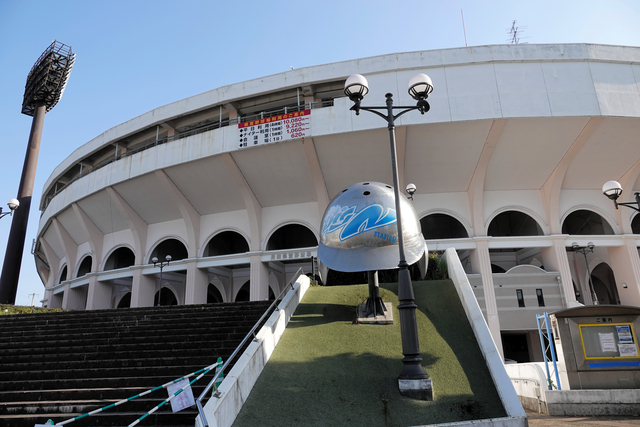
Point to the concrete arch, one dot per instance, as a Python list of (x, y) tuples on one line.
[(611, 221), (217, 287), (119, 302), (522, 268), (167, 285), (246, 287), (111, 251), (82, 260), (537, 218), (63, 269), (153, 247), (203, 248), (450, 213), (285, 223)]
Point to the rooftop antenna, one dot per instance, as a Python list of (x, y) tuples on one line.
[(514, 33), (464, 29)]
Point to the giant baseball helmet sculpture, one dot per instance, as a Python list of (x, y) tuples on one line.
[(359, 230)]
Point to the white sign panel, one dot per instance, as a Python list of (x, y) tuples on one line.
[(607, 343), (274, 129), (628, 350), (184, 399)]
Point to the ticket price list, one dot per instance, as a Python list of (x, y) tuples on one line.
[(274, 129)]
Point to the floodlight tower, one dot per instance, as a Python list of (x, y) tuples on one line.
[(45, 83)]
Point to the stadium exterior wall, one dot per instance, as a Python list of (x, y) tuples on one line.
[(519, 137)]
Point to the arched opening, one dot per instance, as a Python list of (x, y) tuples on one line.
[(226, 243), (584, 222), (635, 224), (244, 292), (291, 236), (172, 247), (63, 274), (604, 284), (120, 258), (167, 298), (85, 266), (514, 223), (213, 294), (442, 226), (125, 301)]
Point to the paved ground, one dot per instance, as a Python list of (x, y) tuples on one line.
[(542, 420)]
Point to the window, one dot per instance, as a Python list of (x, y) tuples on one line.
[(520, 297), (540, 297)]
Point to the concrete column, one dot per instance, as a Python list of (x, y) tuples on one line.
[(196, 285), (143, 289), (625, 263), (555, 259), (65, 298), (259, 279), (98, 295), (481, 263)]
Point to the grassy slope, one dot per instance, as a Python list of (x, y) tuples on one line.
[(327, 370)]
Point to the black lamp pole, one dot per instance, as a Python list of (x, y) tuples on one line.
[(584, 250), (155, 262), (356, 88)]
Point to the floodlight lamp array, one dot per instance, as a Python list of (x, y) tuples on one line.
[(48, 78)]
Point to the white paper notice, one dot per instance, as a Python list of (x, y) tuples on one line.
[(628, 350), (607, 343), (184, 399)]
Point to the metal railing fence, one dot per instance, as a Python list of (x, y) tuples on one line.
[(152, 142), (252, 333), (200, 373)]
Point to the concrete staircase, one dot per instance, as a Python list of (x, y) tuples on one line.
[(61, 365)]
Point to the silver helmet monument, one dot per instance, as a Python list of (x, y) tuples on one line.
[(359, 230)]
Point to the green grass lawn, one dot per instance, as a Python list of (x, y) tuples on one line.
[(329, 370)]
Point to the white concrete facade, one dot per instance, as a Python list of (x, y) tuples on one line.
[(530, 129)]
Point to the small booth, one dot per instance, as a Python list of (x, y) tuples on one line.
[(597, 347)]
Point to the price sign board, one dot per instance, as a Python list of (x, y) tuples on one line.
[(274, 129)]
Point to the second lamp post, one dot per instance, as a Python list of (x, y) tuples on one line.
[(155, 262)]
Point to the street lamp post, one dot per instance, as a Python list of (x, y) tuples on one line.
[(584, 250), (613, 190), (162, 264), (13, 205), (414, 380)]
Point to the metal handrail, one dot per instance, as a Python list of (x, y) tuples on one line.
[(219, 372)]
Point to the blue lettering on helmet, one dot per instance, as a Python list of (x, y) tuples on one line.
[(369, 218)]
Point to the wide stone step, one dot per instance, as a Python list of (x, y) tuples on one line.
[(131, 339), (101, 393), (163, 417), (61, 365), (142, 325), (130, 314), (209, 349), (115, 363), (73, 325)]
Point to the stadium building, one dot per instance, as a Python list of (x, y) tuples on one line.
[(232, 183)]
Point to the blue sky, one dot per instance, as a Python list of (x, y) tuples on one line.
[(136, 55)]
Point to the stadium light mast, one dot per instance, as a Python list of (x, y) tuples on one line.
[(45, 84), (413, 379)]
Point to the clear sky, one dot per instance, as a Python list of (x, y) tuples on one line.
[(137, 55)]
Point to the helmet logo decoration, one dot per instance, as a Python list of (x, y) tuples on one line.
[(352, 223)]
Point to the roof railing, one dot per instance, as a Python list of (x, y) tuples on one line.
[(150, 143)]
